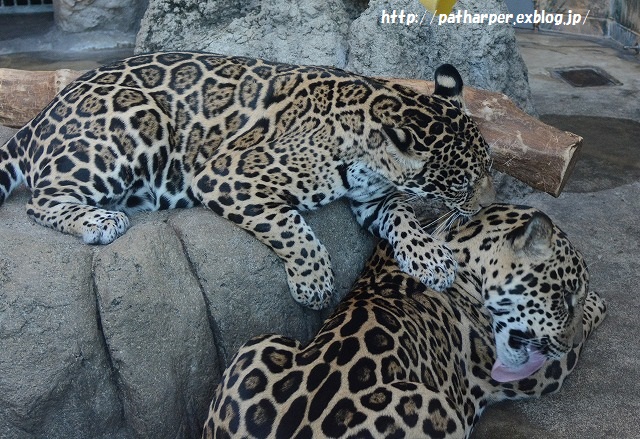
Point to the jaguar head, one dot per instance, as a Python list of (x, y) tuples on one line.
[(535, 295), (440, 149)]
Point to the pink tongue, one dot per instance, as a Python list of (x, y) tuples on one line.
[(503, 374)]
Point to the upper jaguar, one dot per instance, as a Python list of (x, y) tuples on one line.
[(256, 142)]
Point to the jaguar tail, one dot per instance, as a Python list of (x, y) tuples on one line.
[(11, 175)]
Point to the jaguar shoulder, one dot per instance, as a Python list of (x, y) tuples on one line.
[(256, 142), (398, 360)]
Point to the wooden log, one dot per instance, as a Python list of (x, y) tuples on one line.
[(23, 94), (521, 145)]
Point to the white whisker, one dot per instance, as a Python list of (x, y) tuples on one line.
[(445, 225), (438, 219)]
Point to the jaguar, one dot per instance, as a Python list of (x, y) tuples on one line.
[(256, 142), (397, 359)]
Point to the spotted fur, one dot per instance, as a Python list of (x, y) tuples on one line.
[(397, 360), (256, 142)]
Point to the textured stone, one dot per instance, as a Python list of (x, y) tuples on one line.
[(156, 330), (55, 380), (301, 32), (486, 56), (91, 15)]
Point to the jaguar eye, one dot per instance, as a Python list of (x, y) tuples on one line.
[(463, 187)]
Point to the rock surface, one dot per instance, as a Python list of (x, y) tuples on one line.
[(91, 15), (345, 34), (128, 340)]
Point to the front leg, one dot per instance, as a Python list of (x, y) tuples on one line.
[(419, 254), (257, 209)]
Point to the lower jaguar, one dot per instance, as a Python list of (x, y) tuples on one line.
[(397, 359)]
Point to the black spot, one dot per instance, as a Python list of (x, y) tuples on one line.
[(554, 370), (359, 317), (206, 184), (151, 76), (305, 433), (308, 356), (377, 400), (215, 207), (572, 358), (527, 384), (99, 185), (253, 210), (551, 388), (82, 175), (231, 408), (287, 386), (253, 383), (387, 425), (317, 375), (277, 360), (378, 341), (343, 416), (317, 198), (292, 418), (386, 319), (362, 375), (64, 164), (260, 417), (392, 370), (324, 395), (342, 351), (262, 228), (408, 409), (431, 431), (238, 219)]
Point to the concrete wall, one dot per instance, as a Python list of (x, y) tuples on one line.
[(617, 19), (627, 13)]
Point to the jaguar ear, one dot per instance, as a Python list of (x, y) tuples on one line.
[(534, 239), (449, 84), (401, 147)]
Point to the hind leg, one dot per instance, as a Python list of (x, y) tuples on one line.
[(94, 225)]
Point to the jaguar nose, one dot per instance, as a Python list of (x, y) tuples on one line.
[(487, 192)]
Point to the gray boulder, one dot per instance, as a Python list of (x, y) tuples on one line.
[(92, 15), (346, 34), (55, 381), (294, 32)]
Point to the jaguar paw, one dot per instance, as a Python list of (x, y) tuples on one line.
[(311, 284), (434, 264), (104, 227)]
